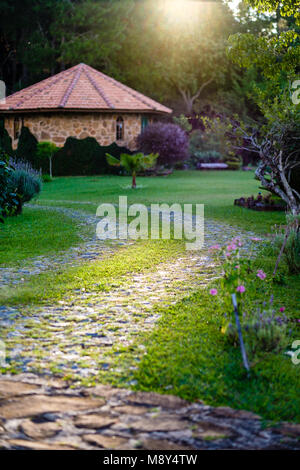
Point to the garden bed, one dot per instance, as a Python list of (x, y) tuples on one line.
[(261, 203)]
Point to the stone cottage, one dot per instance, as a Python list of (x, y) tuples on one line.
[(80, 102)]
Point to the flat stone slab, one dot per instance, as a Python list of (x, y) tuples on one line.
[(40, 404), (41, 415)]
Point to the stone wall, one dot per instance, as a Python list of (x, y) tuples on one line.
[(57, 127)]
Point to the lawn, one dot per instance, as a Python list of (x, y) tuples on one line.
[(35, 233), (216, 189)]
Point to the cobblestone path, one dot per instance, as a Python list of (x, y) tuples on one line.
[(41, 414)]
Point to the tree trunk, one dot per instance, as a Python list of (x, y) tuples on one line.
[(50, 167), (133, 180)]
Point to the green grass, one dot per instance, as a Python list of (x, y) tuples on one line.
[(187, 356), (34, 233), (216, 189), (95, 275)]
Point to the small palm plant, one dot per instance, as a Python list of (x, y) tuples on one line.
[(133, 163)]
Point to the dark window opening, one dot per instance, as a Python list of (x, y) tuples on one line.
[(120, 128), (145, 122)]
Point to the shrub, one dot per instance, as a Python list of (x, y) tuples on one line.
[(183, 122), (234, 162), (46, 178), (85, 157), (206, 141), (208, 156), (9, 201), (168, 140), (27, 147), (197, 143), (5, 140), (291, 250), (24, 180), (263, 331)]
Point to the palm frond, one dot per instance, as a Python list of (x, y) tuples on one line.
[(113, 161)]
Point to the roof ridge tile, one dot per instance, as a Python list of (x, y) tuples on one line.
[(99, 90), (71, 87)]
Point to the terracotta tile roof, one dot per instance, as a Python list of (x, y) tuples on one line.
[(81, 88)]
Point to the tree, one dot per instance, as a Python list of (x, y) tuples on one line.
[(193, 51), (46, 151), (177, 56), (91, 32), (40, 38), (279, 153), (276, 140), (133, 163), (286, 8)]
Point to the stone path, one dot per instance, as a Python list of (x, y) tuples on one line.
[(87, 337), (45, 415), (92, 248), (89, 249)]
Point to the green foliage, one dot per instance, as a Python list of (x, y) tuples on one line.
[(291, 250), (91, 32), (263, 331), (46, 178), (286, 7), (211, 143), (133, 163), (183, 122), (24, 184), (218, 136), (27, 147), (234, 162), (84, 157), (274, 56), (207, 156), (44, 154), (9, 201)]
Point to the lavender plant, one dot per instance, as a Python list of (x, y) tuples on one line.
[(263, 328)]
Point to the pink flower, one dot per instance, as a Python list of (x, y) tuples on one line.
[(282, 309), (261, 274), (255, 239), (237, 267), (231, 247), (228, 254), (240, 289), (213, 291), (215, 247)]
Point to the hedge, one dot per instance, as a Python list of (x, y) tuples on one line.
[(85, 157)]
